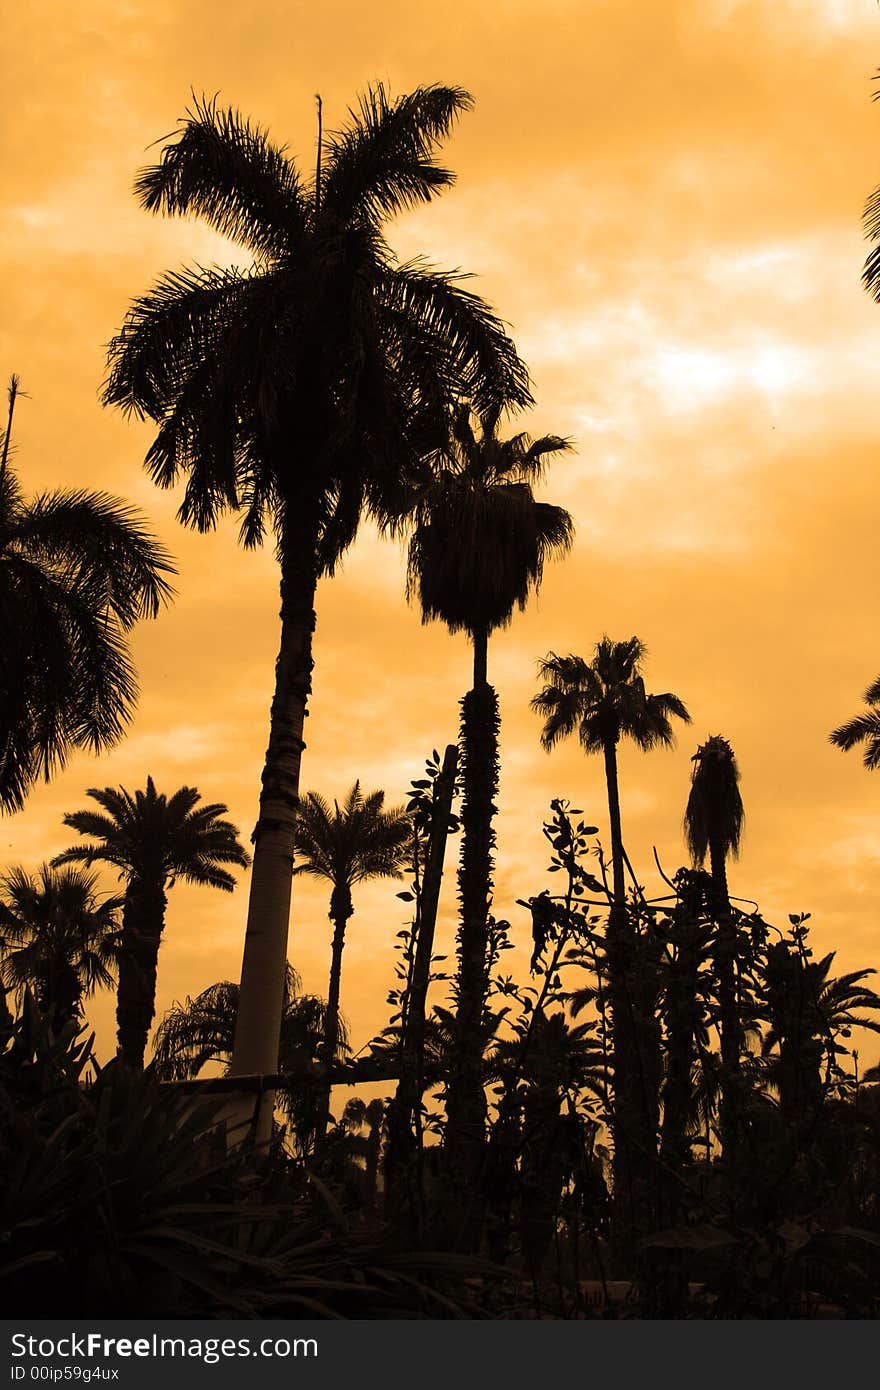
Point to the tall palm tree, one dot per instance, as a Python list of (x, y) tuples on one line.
[(603, 701), (299, 392), (865, 728), (713, 824), (58, 937), (77, 570), (152, 840), (201, 1031), (347, 845), (479, 544)]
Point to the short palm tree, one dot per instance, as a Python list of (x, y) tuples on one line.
[(77, 570), (865, 728), (479, 544), (349, 844), (807, 1008), (58, 938), (152, 840), (603, 701), (713, 823), (201, 1031), (300, 392)]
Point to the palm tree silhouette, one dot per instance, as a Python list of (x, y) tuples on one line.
[(201, 1031), (77, 570), (347, 845), (152, 840), (58, 938), (603, 701), (300, 392), (543, 1084), (713, 824), (806, 1008), (865, 728), (479, 544)]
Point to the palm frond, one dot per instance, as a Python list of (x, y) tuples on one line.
[(383, 163), (222, 168)]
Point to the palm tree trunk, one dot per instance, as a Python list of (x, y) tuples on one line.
[(466, 1097), (341, 909), (635, 1105), (12, 394), (481, 657), (682, 1020), (143, 919), (611, 781), (728, 1004), (261, 997)]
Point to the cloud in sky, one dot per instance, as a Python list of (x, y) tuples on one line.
[(664, 201)]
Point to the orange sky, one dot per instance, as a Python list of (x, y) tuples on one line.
[(663, 198)]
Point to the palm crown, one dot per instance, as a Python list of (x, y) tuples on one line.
[(714, 811), (149, 836), (604, 700), (318, 371), (77, 570), (57, 936), (865, 728), (349, 844), (480, 540)]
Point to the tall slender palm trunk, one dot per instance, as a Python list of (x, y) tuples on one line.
[(143, 919), (683, 1016), (466, 1097), (341, 910), (635, 1108), (728, 1003), (258, 1025), (59, 993)]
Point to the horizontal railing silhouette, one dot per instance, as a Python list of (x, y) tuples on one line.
[(359, 1072)]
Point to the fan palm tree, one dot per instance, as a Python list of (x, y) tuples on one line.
[(479, 544), (865, 728), (77, 570), (58, 938), (713, 823), (152, 840), (299, 392), (807, 1008), (201, 1031), (603, 701), (347, 845)]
